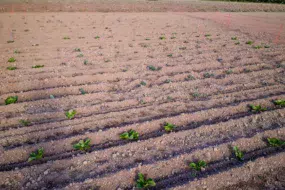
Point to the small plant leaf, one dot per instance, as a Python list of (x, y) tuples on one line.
[(239, 154), (275, 142), (70, 114), (11, 68), (37, 155), (130, 135), (144, 183), (82, 145), (257, 108), (37, 66), (25, 122), (168, 127), (11, 100), (280, 102), (198, 165), (11, 60)]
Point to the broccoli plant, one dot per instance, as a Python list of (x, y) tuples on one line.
[(143, 83), (25, 122), (198, 165), (249, 42), (280, 102), (153, 68), (80, 55), (10, 41), (239, 154), (11, 68), (70, 114), (11, 100), (82, 145), (234, 38), (257, 108), (37, 155), (190, 77), (37, 66), (144, 183), (275, 142), (11, 60), (82, 91), (208, 75), (97, 37), (257, 47), (162, 37), (66, 38), (207, 35), (130, 135), (168, 127)]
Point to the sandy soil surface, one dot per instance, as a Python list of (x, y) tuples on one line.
[(207, 78), (134, 6)]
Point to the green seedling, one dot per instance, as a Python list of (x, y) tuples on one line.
[(208, 75), (169, 55), (280, 102), (246, 70), (51, 96), (198, 165), (70, 114), (11, 100), (77, 50), (144, 183), (174, 33), (11, 68), (82, 91), (168, 127), (249, 42), (82, 145), (234, 38), (85, 62), (228, 72), (207, 35), (143, 83), (190, 77), (257, 108), (11, 60), (10, 41), (237, 43), (153, 68), (257, 47), (162, 37), (147, 39), (266, 46), (25, 122), (97, 37), (167, 81), (37, 66), (107, 60), (130, 135), (275, 142), (80, 55), (17, 52), (66, 38), (239, 154), (37, 155), (196, 94)]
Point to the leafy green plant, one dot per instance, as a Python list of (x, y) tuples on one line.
[(228, 72), (37, 66), (143, 83), (82, 145), (249, 42), (198, 165), (237, 43), (97, 37), (37, 155), (11, 100), (144, 182), (257, 47), (85, 62), (10, 41), (167, 81), (77, 50), (11, 60), (246, 70), (25, 122), (207, 35), (168, 127), (107, 60), (147, 39), (82, 91), (51, 96), (130, 135), (208, 75), (266, 46), (239, 154), (190, 77), (66, 38), (169, 55), (153, 68), (280, 102), (234, 38), (275, 142), (80, 55), (257, 108), (17, 52), (162, 37), (70, 114), (11, 68)]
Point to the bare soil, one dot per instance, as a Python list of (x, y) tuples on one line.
[(206, 82)]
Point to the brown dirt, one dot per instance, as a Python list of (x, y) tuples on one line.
[(211, 114)]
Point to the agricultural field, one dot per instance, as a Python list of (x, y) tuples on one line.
[(115, 101)]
